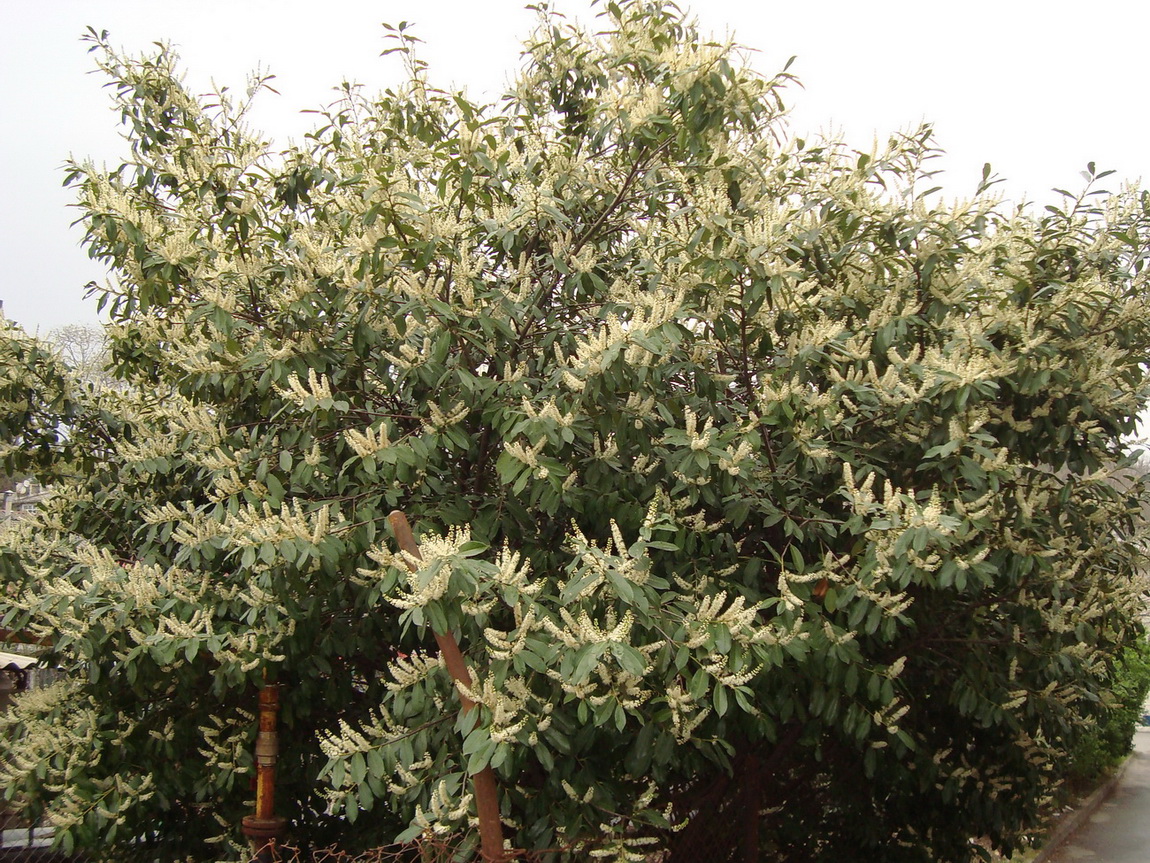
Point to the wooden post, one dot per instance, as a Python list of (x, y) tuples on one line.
[(486, 791), (264, 827)]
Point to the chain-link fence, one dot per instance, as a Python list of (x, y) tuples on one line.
[(431, 851), (21, 843), (424, 851), (705, 837), (24, 845)]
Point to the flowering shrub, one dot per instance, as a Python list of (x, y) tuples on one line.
[(766, 493), (1111, 738)]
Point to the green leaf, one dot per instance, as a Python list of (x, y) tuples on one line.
[(481, 757), (632, 660), (586, 659), (720, 699)]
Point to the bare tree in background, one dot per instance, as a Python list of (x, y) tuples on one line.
[(84, 349)]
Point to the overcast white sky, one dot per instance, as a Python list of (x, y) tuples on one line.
[(1036, 88)]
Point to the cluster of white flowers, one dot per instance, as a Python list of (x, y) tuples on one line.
[(438, 419), (318, 388), (195, 528), (834, 570), (255, 648), (698, 440), (231, 484), (512, 571), (733, 461), (716, 665), (151, 447), (406, 671), (254, 525), (225, 741), (380, 729), (592, 562), (528, 455), (549, 412), (369, 441), (218, 459), (432, 574), (686, 716), (508, 702), (445, 813), (582, 630), (738, 617), (409, 777), (62, 736), (622, 849)]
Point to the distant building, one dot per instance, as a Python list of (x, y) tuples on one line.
[(18, 668), (21, 498), (16, 671)]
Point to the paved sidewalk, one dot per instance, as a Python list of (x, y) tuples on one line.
[(1119, 831)]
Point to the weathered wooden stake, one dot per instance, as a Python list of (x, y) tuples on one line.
[(486, 791)]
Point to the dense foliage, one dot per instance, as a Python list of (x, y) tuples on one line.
[(1105, 745), (758, 483)]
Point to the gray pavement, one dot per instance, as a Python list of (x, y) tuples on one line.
[(1119, 831)]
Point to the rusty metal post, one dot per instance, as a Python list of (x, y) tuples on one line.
[(264, 827), (486, 790)]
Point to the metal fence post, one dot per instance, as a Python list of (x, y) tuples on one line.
[(264, 827)]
